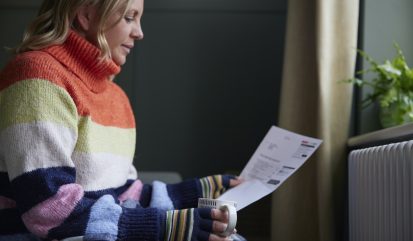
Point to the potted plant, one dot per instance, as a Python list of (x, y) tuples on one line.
[(392, 87)]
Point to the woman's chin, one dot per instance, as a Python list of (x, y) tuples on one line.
[(119, 60)]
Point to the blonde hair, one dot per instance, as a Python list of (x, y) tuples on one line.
[(56, 17)]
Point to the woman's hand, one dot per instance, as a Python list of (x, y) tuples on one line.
[(196, 224), (235, 181), (214, 186), (219, 225)]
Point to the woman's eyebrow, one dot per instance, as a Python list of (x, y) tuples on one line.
[(134, 11)]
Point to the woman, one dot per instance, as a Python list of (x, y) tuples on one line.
[(67, 137)]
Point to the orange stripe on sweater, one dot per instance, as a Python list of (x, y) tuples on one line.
[(109, 108)]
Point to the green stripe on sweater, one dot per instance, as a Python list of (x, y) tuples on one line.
[(36, 100)]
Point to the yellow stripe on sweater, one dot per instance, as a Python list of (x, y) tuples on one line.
[(36, 100)]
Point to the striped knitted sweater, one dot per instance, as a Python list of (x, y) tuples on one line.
[(67, 139)]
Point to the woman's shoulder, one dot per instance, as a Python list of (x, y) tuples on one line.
[(31, 65), (31, 60)]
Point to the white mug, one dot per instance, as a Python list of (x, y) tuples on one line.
[(229, 206)]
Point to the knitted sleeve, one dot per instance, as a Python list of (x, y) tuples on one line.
[(184, 194), (38, 134)]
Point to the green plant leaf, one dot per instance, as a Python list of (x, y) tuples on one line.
[(391, 85), (389, 69)]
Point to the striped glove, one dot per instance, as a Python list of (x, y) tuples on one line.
[(193, 224), (214, 186), (184, 194)]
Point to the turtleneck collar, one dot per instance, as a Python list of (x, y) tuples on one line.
[(83, 59)]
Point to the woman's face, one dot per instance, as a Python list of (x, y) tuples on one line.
[(122, 35)]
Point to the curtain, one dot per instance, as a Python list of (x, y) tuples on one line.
[(321, 42)]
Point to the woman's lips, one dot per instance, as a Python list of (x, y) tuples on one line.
[(127, 47)]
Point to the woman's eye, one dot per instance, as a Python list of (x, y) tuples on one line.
[(128, 19)]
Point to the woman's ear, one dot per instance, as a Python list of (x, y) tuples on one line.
[(84, 18)]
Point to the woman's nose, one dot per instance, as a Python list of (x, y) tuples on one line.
[(137, 32)]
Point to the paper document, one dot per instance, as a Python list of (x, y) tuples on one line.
[(279, 155)]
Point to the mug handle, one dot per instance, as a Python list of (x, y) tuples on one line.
[(232, 219)]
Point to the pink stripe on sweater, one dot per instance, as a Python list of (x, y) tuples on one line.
[(133, 192), (6, 203), (53, 211)]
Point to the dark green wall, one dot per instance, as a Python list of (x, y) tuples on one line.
[(205, 83)]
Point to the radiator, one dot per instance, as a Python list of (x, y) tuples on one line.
[(381, 193)]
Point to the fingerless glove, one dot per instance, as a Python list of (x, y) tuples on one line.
[(184, 194), (214, 186), (193, 224)]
